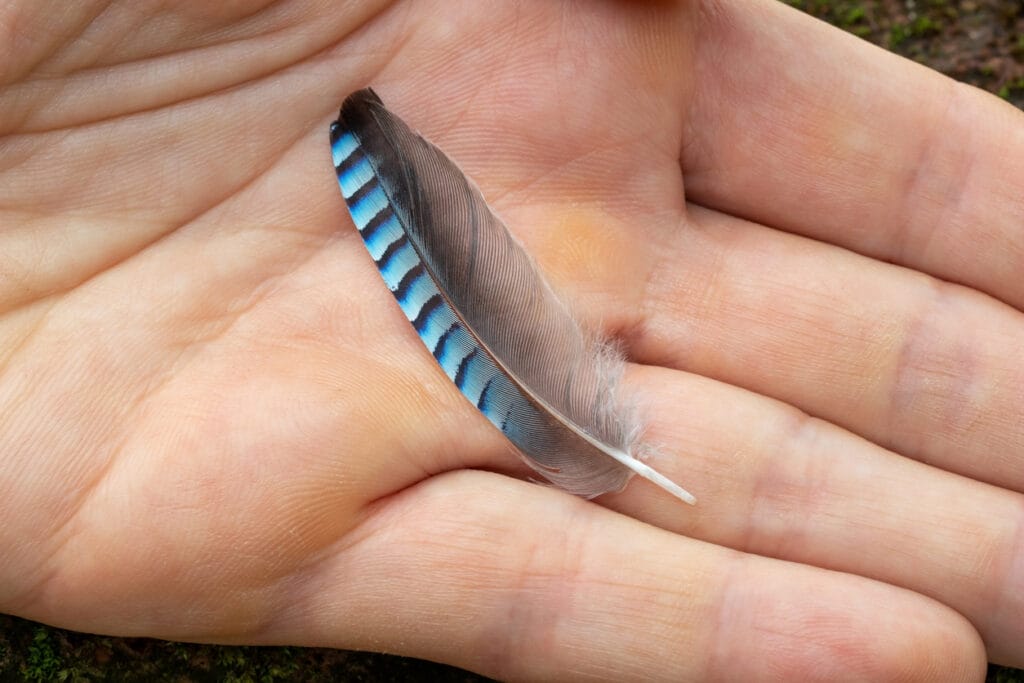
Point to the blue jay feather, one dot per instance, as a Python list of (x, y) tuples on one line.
[(481, 306)]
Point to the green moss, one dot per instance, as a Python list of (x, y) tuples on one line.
[(897, 34), (1010, 89), (33, 652), (854, 15), (925, 25), (43, 663), (844, 14)]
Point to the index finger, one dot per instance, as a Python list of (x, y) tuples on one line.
[(802, 127)]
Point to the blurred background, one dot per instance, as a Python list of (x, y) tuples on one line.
[(977, 41)]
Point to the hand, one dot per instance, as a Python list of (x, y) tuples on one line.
[(217, 426)]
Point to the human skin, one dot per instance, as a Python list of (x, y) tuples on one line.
[(216, 425)]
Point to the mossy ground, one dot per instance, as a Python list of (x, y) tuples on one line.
[(978, 41), (33, 652)]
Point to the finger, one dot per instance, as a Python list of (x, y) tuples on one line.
[(800, 126), (771, 480), (521, 582), (928, 370)]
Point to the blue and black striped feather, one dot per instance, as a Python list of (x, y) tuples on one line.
[(480, 305)]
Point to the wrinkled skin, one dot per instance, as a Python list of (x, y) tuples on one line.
[(216, 425)]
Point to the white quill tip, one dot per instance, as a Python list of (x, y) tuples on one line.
[(655, 477)]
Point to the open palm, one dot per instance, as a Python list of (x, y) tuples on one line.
[(216, 425)]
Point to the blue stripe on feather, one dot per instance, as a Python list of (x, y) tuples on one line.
[(368, 206), (439, 320), (381, 220), (457, 345), (414, 291), (366, 189), (353, 173), (401, 268), (383, 257), (426, 321), (476, 376), (398, 264), (440, 348), (465, 369), (503, 400), (378, 239), (343, 148), (481, 401)]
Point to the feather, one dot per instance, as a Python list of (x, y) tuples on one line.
[(481, 307)]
